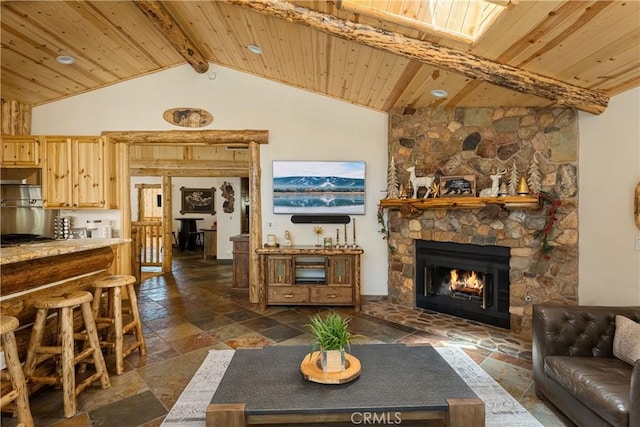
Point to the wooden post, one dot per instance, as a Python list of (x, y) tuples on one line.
[(16, 118), (167, 238), (255, 222), (135, 253), (124, 204)]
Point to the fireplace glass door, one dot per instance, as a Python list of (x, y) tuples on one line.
[(467, 285)]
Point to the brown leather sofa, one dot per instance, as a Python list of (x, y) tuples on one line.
[(574, 367)]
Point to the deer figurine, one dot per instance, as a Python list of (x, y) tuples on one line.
[(495, 184), (417, 182)]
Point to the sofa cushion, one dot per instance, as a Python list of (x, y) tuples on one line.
[(599, 383), (626, 340)]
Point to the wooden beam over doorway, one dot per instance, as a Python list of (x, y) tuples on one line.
[(191, 137)]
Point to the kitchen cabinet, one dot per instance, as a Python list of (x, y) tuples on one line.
[(310, 276), (74, 172), (20, 151)]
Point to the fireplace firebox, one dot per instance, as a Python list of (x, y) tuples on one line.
[(469, 281)]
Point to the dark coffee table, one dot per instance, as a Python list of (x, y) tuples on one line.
[(397, 383)]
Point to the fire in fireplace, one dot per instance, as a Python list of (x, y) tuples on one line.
[(470, 281), (465, 283)]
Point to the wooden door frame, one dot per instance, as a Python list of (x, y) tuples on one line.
[(247, 138), (167, 238)]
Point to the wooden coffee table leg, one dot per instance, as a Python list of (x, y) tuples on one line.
[(226, 415), (465, 413)]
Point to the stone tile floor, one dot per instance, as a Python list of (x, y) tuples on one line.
[(194, 309)]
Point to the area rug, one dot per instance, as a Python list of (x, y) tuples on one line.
[(501, 410)]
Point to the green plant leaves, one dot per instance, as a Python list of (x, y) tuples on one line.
[(330, 332)]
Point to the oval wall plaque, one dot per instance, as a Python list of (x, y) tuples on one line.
[(188, 117)]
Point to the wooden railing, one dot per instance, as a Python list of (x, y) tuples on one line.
[(149, 241)]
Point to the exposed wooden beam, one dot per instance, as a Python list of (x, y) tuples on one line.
[(193, 137), (171, 29), (209, 173), (433, 54), (189, 164)]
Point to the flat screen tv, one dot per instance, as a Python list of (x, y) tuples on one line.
[(318, 187)]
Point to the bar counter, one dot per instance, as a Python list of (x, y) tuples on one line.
[(29, 272), (28, 252)]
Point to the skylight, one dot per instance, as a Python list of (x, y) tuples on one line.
[(464, 19)]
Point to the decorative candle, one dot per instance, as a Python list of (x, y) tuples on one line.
[(271, 239), (354, 232), (345, 235)]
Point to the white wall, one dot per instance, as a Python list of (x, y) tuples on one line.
[(609, 171), (305, 126), (301, 125)]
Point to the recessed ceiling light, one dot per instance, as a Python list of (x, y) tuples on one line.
[(254, 49), (439, 93), (65, 59)]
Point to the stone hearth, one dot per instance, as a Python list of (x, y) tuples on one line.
[(479, 141)]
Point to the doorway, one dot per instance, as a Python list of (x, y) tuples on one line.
[(189, 153), (150, 229)]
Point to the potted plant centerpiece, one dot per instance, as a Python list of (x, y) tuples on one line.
[(330, 336)]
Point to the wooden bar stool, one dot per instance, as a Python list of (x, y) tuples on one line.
[(111, 320), (64, 351), (20, 393)]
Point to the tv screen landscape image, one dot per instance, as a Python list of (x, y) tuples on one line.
[(318, 187)]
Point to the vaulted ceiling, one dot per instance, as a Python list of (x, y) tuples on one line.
[(378, 54)]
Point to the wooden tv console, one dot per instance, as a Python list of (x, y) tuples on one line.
[(310, 275)]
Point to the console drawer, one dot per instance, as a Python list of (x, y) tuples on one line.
[(287, 294), (332, 294)]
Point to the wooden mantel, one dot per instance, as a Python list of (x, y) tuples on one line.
[(509, 202)]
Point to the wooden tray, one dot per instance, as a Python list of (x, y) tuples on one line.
[(312, 370)]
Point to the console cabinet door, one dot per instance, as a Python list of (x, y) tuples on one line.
[(340, 270), (279, 270), (20, 151)]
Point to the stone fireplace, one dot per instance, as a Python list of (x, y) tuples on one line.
[(480, 141)]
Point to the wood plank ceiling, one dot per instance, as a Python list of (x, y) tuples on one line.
[(378, 54)]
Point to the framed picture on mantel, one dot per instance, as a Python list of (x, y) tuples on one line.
[(198, 200), (458, 185)]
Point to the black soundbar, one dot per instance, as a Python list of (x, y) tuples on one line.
[(320, 219)]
